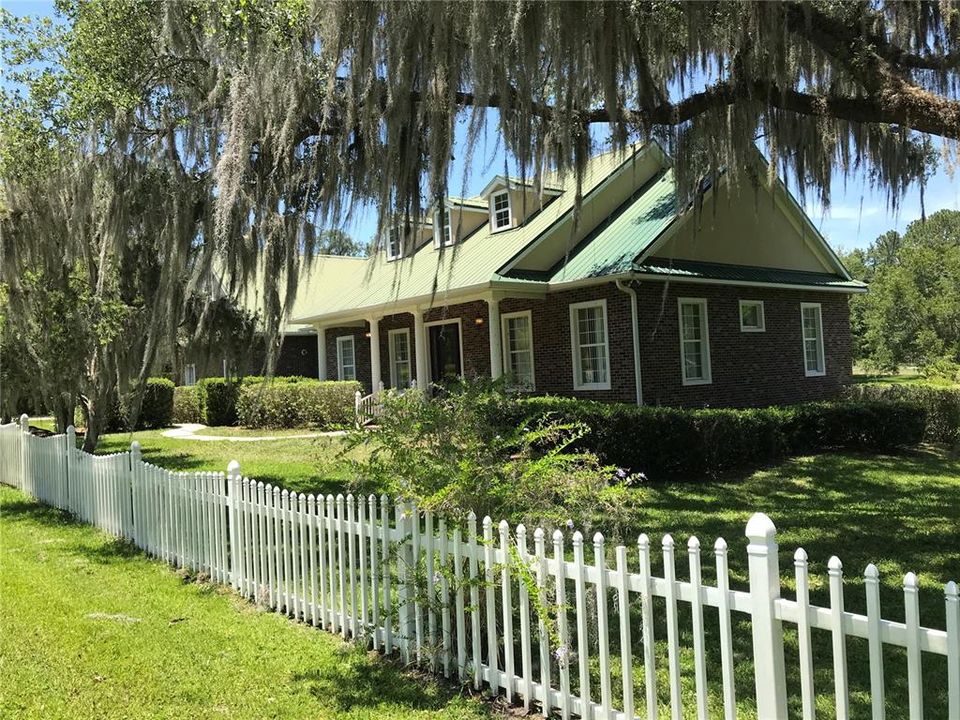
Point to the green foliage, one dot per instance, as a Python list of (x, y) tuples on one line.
[(454, 454), (186, 404), (156, 408), (681, 444), (942, 405), (911, 315), (295, 403), (218, 401)]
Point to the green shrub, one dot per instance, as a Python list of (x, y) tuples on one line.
[(218, 401), (186, 404), (284, 403), (942, 405), (676, 443), (156, 409)]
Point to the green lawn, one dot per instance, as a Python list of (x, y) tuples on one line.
[(93, 629), (302, 464)]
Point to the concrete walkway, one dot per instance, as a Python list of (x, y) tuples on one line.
[(187, 431)]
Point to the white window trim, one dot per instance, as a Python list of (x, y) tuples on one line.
[(493, 212), (505, 344), (763, 317), (392, 353), (575, 344), (820, 345), (341, 340), (449, 321), (190, 374), (707, 378), (390, 254), (438, 228)]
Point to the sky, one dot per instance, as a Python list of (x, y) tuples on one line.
[(857, 214)]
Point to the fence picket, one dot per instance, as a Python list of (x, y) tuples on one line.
[(351, 561), (563, 636), (506, 602), (871, 584), (460, 605), (911, 611), (444, 548), (841, 690), (474, 599), (389, 614), (626, 643), (526, 661), (699, 656), (952, 599), (431, 596), (673, 633), (583, 639), (803, 633), (375, 576), (493, 679), (726, 630), (539, 549)]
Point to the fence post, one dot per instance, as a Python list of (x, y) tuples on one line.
[(24, 431), (768, 661), (71, 447), (136, 511), (356, 408), (233, 477)]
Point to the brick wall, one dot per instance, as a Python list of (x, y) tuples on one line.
[(475, 339), (395, 322), (553, 351), (748, 368), (361, 348)]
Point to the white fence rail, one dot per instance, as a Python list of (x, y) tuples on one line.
[(542, 625)]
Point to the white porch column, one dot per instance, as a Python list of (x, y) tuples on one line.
[(420, 346), (493, 329), (322, 353), (376, 374)]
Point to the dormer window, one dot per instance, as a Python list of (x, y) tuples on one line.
[(442, 230), (500, 211), (394, 244)]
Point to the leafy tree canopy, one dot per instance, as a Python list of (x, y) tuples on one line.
[(265, 121)]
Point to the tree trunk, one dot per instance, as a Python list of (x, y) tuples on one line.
[(95, 411)]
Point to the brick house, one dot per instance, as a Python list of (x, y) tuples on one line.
[(738, 302)]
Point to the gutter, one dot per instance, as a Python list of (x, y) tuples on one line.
[(635, 334)]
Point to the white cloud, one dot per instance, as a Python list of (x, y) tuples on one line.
[(842, 212)]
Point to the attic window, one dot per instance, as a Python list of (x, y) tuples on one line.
[(394, 244), (500, 211), (442, 232)]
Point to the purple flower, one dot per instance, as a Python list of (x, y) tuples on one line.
[(570, 524), (622, 473)]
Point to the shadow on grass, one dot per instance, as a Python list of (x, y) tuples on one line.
[(363, 679)]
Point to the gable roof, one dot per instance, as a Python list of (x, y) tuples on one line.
[(430, 274)]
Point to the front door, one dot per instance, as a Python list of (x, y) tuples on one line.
[(445, 365)]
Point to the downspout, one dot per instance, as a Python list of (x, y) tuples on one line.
[(636, 336)]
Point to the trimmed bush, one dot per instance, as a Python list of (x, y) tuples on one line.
[(186, 404), (218, 401), (156, 409), (681, 444), (941, 403), (298, 403)]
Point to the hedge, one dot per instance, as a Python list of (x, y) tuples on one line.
[(218, 401), (941, 403), (186, 404), (156, 408), (683, 444), (301, 403)]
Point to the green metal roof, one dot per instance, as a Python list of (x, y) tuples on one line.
[(611, 248), (431, 273), (743, 273)]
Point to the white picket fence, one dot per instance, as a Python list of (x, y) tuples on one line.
[(544, 627)]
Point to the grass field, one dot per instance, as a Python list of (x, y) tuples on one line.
[(92, 629)]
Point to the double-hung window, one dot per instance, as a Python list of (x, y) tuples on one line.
[(346, 358), (400, 358), (517, 329), (500, 211), (442, 230), (811, 321), (751, 316), (394, 244), (694, 341), (591, 347)]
